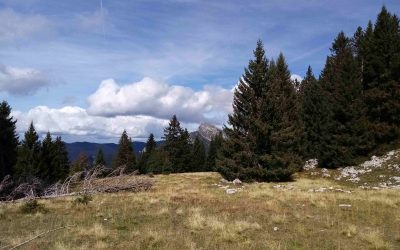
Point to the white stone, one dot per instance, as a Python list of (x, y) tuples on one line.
[(231, 191), (237, 181)]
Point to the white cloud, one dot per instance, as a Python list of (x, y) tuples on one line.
[(17, 25), (296, 77), (76, 122), (21, 81), (161, 100)]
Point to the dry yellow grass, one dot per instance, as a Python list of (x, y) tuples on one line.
[(188, 211)]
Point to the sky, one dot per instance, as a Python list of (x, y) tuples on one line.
[(88, 69)]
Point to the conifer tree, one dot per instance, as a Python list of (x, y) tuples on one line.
[(341, 81), (125, 154), (281, 114), (147, 153), (8, 141), (99, 159), (315, 118), (198, 158), (60, 161), (177, 147), (215, 146), (261, 139), (381, 77), (245, 136), (29, 161), (47, 154)]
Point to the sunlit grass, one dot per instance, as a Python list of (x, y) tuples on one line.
[(188, 211)]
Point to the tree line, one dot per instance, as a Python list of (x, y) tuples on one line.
[(177, 153), (350, 111)]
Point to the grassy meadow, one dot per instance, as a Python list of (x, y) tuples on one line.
[(193, 211)]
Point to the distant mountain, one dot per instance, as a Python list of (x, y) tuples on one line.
[(205, 133)]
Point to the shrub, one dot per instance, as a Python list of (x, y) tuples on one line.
[(32, 207), (83, 200)]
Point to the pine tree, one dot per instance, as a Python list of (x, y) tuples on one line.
[(341, 81), (215, 147), (381, 77), (125, 155), (261, 139), (60, 161), (315, 118), (8, 141), (29, 161), (281, 114), (147, 153), (198, 158), (176, 147), (46, 157), (99, 159)]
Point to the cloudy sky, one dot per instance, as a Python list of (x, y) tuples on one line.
[(89, 69)]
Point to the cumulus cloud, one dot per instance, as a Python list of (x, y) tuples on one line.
[(16, 25), (161, 100), (296, 77), (75, 121), (21, 81)]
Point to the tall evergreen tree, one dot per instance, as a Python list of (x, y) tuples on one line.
[(99, 159), (147, 153), (47, 154), (198, 158), (60, 161), (381, 77), (29, 161), (281, 114), (341, 81), (315, 117), (125, 154), (215, 147), (8, 141), (261, 140), (177, 147)]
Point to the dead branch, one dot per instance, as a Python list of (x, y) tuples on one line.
[(38, 236)]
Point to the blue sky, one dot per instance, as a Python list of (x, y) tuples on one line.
[(89, 63)]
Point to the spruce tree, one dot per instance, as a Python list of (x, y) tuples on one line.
[(8, 141), (261, 139), (177, 147), (198, 158), (281, 114), (47, 154), (125, 155), (60, 161), (99, 159), (315, 118), (215, 147), (147, 154), (381, 77), (29, 157), (341, 81)]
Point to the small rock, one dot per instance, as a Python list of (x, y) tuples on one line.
[(231, 191), (345, 206), (237, 181), (276, 228)]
